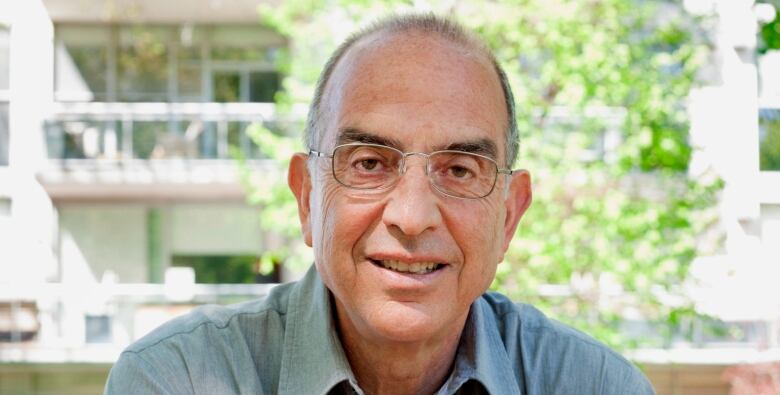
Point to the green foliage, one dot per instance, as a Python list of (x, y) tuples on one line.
[(770, 146), (606, 216), (770, 32), (221, 269), (268, 189)]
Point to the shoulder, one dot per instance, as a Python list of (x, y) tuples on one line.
[(550, 353), (525, 320), (223, 340), (216, 319)]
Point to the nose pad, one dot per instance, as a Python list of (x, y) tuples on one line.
[(407, 155)]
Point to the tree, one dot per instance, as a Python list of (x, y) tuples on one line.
[(600, 87), (770, 32)]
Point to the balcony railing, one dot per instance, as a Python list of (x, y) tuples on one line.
[(110, 132)]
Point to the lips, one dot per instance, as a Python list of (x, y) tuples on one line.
[(408, 267)]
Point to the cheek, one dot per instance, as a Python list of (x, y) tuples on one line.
[(343, 220), (478, 230), (325, 213)]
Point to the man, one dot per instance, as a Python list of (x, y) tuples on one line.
[(407, 197)]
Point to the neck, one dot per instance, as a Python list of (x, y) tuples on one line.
[(383, 367)]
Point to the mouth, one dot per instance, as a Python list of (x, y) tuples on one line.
[(404, 267)]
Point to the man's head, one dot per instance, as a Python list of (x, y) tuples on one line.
[(430, 25), (417, 84)]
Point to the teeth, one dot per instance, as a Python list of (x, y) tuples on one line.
[(417, 267)]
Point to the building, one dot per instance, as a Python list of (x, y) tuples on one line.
[(117, 125), (734, 129), (117, 119)]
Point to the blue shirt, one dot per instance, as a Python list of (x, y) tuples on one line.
[(286, 343)]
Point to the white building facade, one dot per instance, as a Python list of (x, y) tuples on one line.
[(120, 199)]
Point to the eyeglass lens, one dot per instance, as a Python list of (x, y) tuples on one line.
[(458, 174)]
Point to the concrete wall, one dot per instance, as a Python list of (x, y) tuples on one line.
[(96, 238), (213, 229), (770, 231)]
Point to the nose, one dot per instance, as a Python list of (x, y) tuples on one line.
[(412, 206)]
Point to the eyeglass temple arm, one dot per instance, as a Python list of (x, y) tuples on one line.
[(319, 154), (508, 172)]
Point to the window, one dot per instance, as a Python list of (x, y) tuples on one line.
[(81, 63), (135, 63), (263, 85), (769, 139), (189, 74), (142, 64)]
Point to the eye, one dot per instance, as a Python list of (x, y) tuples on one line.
[(368, 164), (369, 160), (457, 166), (459, 172)]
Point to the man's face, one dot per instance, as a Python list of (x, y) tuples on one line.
[(418, 94)]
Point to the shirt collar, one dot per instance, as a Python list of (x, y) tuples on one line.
[(314, 362), (482, 355)]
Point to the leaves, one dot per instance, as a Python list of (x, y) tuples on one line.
[(600, 89)]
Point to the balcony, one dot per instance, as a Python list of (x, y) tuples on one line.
[(146, 150)]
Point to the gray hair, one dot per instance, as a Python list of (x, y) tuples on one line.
[(424, 23)]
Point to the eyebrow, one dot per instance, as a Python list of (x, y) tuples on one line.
[(353, 135), (482, 146)]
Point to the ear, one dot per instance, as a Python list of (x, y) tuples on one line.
[(300, 184), (517, 200)]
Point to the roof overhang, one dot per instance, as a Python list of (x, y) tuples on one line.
[(155, 11)]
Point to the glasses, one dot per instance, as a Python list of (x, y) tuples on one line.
[(373, 167)]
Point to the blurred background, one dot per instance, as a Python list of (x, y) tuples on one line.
[(143, 149)]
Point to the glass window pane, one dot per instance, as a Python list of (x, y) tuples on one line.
[(239, 54), (81, 73), (769, 139), (81, 63), (244, 36), (227, 87), (142, 65), (189, 75), (263, 85)]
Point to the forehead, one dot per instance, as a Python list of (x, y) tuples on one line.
[(420, 89)]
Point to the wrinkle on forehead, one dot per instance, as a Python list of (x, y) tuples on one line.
[(361, 62)]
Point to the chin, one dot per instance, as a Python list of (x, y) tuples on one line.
[(404, 323)]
